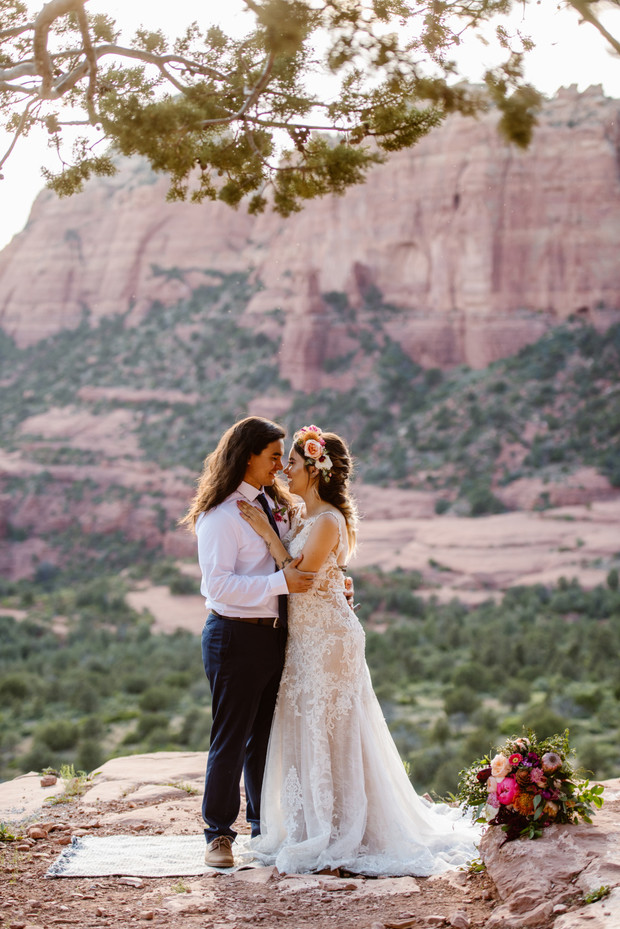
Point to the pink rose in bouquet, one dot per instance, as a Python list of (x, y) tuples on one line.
[(500, 766)]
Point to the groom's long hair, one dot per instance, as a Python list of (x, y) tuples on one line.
[(225, 468)]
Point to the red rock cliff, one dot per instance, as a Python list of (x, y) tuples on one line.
[(483, 245)]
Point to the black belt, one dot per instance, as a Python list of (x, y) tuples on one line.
[(266, 621)]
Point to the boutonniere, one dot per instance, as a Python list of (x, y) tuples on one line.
[(279, 512)]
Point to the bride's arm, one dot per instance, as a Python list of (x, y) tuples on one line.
[(323, 538)]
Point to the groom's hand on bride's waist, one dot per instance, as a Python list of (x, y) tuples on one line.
[(298, 582)]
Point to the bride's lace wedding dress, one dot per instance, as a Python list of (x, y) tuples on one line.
[(335, 792)]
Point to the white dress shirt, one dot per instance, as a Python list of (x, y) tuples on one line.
[(238, 573)]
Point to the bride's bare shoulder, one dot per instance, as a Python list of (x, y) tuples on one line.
[(332, 511)]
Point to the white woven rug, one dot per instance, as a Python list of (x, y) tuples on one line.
[(139, 856)]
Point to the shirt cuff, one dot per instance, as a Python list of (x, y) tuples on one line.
[(277, 583)]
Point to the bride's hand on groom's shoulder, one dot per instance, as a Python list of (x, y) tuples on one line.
[(256, 517)]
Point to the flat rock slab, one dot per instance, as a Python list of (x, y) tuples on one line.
[(604, 914), (145, 779), (387, 887), (193, 901), (354, 887), (255, 875), (105, 791), (495, 552), (24, 797), (154, 767)]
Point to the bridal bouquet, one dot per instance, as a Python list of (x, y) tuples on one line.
[(528, 785)]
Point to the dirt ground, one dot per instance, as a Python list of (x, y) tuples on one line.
[(541, 884), (258, 896)]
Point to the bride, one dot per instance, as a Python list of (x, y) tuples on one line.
[(335, 792)]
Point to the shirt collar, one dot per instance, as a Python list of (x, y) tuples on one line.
[(249, 491)]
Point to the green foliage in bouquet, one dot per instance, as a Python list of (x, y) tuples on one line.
[(528, 785)]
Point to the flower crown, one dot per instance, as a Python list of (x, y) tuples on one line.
[(310, 439)]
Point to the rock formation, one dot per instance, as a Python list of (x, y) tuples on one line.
[(481, 245), (549, 880), (539, 884)]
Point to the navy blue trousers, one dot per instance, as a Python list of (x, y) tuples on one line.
[(243, 663)]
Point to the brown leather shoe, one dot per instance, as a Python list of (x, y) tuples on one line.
[(219, 853)]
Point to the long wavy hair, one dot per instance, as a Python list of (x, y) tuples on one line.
[(225, 468), (336, 491)]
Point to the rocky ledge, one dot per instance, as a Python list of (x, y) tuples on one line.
[(539, 884)]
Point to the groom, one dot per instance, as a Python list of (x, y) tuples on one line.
[(244, 636)]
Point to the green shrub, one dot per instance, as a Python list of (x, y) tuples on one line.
[(148, 723), (472, 674), (58, 735), (136, 683), (184, 585), (180, 679), (195, 730), (461, 700), (544, 721), (39, 757), (516, 692), (441, 731), (90, 754), (597, 758), (157, 698), (16, 687), (483, 502)]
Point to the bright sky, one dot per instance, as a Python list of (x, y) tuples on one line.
[(566, 53)]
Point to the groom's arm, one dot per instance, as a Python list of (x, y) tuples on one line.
[(218, 548)]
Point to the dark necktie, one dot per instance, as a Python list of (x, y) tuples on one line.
[(262, 499), (282, 598)]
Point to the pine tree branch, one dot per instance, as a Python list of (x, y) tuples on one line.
[(20, 128), (15, 31), (585, 11), (251, 97), (42, 24), (91, 60)]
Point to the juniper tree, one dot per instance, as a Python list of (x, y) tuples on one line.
[(230, 118)]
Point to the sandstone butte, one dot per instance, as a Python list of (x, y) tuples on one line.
[(482, 245), (542, 884)]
